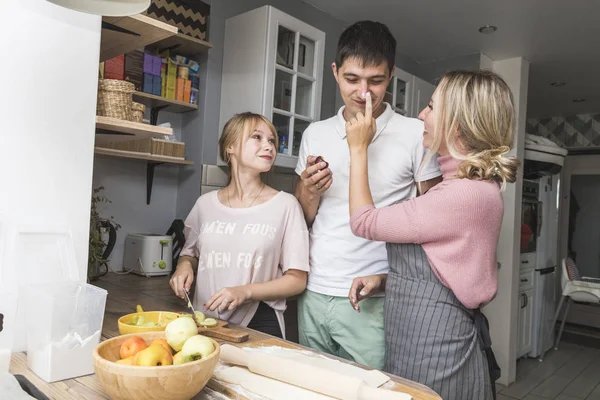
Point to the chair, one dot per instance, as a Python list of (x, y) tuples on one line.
[(574, 288), (176, 231)]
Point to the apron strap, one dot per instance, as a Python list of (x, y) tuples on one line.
[(483, 332)]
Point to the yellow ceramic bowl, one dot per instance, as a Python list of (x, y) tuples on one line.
[(173, 382), (160, 318)]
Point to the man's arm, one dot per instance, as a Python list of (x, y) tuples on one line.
[(423, 187), (314, 180), (308, 201)]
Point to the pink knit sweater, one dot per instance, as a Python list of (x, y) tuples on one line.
[(458, 224)]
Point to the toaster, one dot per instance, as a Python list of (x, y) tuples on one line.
[(148, 254)]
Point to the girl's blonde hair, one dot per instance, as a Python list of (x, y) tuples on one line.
[(239, 127), (475, 110)]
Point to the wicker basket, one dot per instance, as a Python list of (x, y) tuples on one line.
[(115, 98), (137, 112)]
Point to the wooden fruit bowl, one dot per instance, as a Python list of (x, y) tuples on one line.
[(131, 382)]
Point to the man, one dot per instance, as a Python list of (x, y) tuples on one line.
[(364, 63)]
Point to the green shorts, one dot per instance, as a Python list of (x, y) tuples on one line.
[(331, 325)]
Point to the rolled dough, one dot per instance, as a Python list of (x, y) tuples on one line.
[(266, 387), (373, 378)]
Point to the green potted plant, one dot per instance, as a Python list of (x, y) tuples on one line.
[(100, 248)]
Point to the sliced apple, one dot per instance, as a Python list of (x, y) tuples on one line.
[(209, 323), (199, 317)]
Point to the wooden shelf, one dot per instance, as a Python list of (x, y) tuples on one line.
[(140, 156), (151, 101), (115, 130), (114, 43), (184, 45)]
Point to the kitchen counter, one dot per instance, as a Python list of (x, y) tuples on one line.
[(124, 292), (88, 387)]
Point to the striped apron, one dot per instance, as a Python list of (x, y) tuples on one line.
[(431, 338)]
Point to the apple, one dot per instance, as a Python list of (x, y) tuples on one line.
[(153, 356), (177, 359), (180, 330), (126, 361), (132, 346), (163, 343), (197, 347)]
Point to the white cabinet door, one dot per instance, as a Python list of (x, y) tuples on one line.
[(525, 325), (422, 92)]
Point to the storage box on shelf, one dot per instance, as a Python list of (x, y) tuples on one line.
[(153, 146), (190, 16)]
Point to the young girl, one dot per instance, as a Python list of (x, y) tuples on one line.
[(247, 242), (442, 245)]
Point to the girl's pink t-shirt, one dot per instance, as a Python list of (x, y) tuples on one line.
[(239, 246)]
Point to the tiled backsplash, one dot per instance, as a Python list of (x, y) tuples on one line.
[(214, 178), (572, 131)]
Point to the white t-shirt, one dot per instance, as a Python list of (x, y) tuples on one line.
[(239, 246), (395, 155)]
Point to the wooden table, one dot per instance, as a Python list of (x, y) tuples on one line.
[(88, 387)]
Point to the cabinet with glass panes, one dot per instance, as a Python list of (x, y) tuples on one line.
[(273, 65), (399, 93)]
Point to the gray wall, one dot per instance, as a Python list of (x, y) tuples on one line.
[(431, 72), (124, 184), (201, 128)]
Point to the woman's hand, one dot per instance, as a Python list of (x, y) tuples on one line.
[(361, 129), (182, 279), (365, 286), (228, 299)]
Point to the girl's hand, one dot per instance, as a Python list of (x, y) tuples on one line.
[(182, 279), (228, 299), (365, 286), (361, 129)]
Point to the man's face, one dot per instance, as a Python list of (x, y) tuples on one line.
[(354, 80)]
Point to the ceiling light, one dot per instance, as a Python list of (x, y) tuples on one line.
[(111, 8), (557, 83), (578, 100), (487, 29)]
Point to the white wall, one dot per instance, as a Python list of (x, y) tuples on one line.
[(124, 184), (502, 312), (49, 83)]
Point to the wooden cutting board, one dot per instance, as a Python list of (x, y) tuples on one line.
[(222, 332), (416, 390)]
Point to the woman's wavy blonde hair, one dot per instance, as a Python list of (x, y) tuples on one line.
[(241, 126), (476, 111)]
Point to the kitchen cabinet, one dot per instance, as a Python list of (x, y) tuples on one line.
[(273, 65), (525, 322), (422, 92), (399, 93), (408, 94)]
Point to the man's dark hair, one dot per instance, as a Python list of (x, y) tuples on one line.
[(369, 41)]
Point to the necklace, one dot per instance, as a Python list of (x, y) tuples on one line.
[(261, 190)]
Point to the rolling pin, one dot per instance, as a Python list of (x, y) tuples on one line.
[(317, 379)]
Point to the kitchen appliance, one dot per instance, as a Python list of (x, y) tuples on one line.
[(545, 276), (531, 209), (148, 254)]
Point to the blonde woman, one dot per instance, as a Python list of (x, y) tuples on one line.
[(247, 242), (442, 245)]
